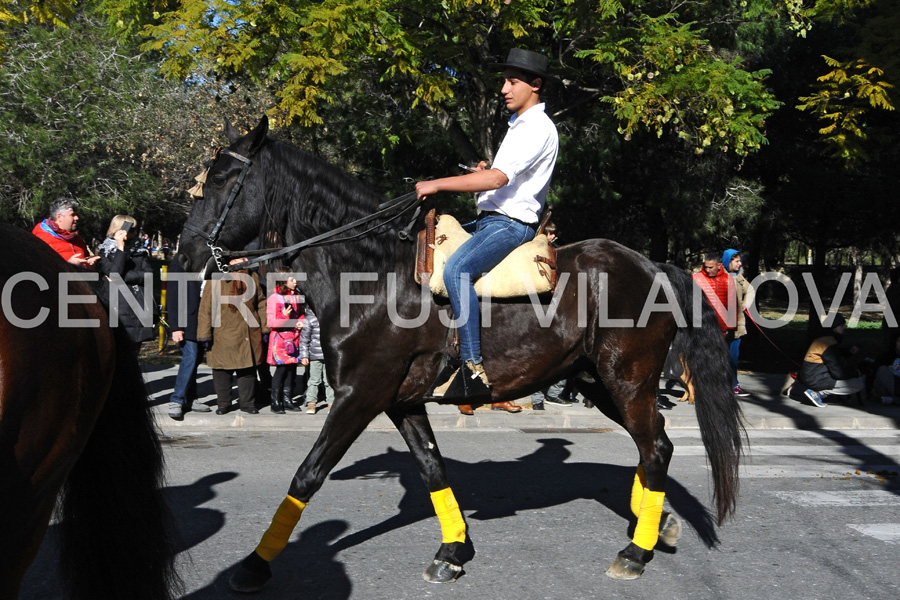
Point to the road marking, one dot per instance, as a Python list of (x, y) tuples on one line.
[(808, 451), (793, 471), (791, 434), (841, 499), (886, 532)]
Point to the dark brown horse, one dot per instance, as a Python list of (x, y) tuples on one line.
[(75, 427), (362, 285)]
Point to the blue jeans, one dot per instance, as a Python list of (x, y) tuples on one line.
[(494, 238), (185, 390), (734, 353)]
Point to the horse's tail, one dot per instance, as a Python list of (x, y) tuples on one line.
[(703, 351), (115, 529)]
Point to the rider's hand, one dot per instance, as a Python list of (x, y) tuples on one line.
[(425, 189), (178, 336)]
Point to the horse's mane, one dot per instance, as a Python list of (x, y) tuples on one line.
[(306, 196)]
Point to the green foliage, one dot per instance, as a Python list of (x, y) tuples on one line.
[(14, 14), (56, 12), (843, 101), (673, 81), (81, 114)]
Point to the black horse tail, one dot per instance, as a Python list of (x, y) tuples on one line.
[(114, 523), (705, 354)]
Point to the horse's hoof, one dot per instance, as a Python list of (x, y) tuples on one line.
[(440, 571), (251, 575), (670, 530), (245, 582), (625, 568)]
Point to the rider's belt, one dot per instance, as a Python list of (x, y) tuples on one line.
[(494, 213)]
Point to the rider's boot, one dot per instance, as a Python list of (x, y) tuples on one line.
[(470, 382)]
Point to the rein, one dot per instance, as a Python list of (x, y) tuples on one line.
[(409, 201), (400, 206)]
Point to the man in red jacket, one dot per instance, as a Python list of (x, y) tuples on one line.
[(718, 287), (59, 232)]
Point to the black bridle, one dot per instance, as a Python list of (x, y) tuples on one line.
[(400, 205), (213, 236)]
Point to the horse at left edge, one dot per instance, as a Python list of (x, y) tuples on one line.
[(76, 431), (357, 275)]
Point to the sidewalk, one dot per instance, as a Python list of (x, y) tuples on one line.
[(765, 408)]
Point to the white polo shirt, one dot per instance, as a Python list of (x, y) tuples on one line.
[(527, 157)]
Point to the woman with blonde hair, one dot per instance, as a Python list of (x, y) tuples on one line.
[(120, 254)]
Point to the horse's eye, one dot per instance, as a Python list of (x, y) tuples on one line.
[(218, 179)]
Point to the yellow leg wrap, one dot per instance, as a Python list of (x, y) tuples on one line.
[(647, 530), (637, 490), (279, 532), (453, 527)]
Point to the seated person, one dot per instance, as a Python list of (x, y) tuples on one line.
[(886, 385), (511, 195), (824, 371)]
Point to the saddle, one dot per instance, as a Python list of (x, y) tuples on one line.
[(530, 268)]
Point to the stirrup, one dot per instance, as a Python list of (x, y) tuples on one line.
[(468, 383)]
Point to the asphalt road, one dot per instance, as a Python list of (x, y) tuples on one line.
[(818, 518)]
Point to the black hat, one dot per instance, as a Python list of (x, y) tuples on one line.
[(530, 62)]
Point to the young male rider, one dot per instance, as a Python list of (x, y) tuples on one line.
[(511, 196)]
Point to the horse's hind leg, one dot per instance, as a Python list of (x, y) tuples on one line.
[(669, 525), (23, 531), (646, 426), (456, 546)]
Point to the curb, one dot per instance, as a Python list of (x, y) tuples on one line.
[(765, 409)]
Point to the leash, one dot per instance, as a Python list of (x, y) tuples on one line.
[(774, 345), (406, 201)]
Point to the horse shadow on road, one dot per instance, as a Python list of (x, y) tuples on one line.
[(486, 490), (191, 525), (542, 479)]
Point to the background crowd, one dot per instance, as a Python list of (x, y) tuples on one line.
[(283, 335)]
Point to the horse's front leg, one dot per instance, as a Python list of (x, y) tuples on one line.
[(456, 545), (346, 420)]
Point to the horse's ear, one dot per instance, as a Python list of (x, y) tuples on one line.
[(258, 135), (231, 133)]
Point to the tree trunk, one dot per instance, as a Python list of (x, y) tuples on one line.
[(856, 258)]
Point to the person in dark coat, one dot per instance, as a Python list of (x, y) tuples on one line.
[(824, 371), (233, 331), (183, 295), (122, 256)]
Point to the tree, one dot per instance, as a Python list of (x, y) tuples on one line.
[(15, 14), (85, 115), (655, 70)]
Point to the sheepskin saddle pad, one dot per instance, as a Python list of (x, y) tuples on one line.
[(530, 268)]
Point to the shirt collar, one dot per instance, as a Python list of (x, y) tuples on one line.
[(517, 118)]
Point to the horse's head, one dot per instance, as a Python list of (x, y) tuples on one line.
[(229, 213)]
